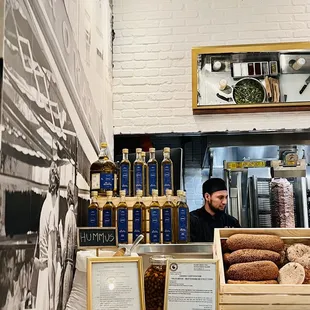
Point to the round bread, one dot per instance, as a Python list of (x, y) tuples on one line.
[(307, 276), (304, 260), (299, 253), (252, 282), (252, 255), (291, 273), (259, 242), (254, 271)]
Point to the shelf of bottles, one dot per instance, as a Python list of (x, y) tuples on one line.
[(161, 219)]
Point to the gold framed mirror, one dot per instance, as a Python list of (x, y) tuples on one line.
[(251, 78)]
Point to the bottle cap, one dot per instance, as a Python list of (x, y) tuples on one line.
[(179, 192), (125, 151), (122, 192), (154, 192), (167, 150), (143, 154), (138, 150), (139, 193), (94, 194), (109, 193), (168, 192), (151, 149)]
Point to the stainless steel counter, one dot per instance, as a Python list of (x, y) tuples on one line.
[(203, 249)]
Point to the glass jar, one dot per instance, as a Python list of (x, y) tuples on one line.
[(154, 283)]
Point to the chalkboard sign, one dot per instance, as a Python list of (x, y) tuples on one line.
[(96, 237)]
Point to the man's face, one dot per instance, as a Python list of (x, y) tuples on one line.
[(217, 201)]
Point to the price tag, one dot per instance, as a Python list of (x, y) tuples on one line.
[(192, 284), (115, 283)]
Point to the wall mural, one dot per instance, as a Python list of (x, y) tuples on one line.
[(50, 130)]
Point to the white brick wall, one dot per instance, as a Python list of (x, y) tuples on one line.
[(152, 59)]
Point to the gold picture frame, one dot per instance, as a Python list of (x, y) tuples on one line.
[(171, 262), (115, 267), (292, 49)]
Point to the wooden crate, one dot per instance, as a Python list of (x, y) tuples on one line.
[(130, 201), (259, 296)]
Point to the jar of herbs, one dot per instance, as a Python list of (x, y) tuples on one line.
[(154, 283)]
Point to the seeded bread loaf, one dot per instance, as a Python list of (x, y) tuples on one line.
[(252, 255), (259, 242), (299, 253), (253, 271), (252, 282), (291, 273)]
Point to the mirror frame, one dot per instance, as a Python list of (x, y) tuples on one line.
[(246, 108)]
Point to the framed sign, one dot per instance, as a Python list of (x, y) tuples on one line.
[(192, 284), (115, 283), (96, 237), (251, 78)]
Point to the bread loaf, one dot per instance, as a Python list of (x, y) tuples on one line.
[(259, 242), (254, 271), (252, 255), (291, 273), (226, 258), (307, 276), (299, 253), (252, 282)]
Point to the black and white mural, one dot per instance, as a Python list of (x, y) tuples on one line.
[(56, 108)]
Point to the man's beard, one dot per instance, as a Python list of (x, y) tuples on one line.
[(215, 210)]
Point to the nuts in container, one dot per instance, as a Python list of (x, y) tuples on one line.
[(154, 283)]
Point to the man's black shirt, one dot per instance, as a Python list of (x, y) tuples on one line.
[(202, 224)]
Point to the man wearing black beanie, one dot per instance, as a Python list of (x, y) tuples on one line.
[(212, 215)]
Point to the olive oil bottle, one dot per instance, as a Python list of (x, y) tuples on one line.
[(154, 218), (143, 156), (122, 218), (168, 210), (138, 173), (182, 220), (103, 173), (138, 218), (152, 173), (108, 212), (166, 172), (93, 211), (125, 178)]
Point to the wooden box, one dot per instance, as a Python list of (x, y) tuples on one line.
[(262, 296)]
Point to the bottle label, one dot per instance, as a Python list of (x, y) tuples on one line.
[(125, 178), (167, 178), (107, 181), (152, 177), (137, 223), (107, 218), (182, 231), (167, 225), (139, 177), (122, 225), (92, 218), (95, 181), (154, 225)]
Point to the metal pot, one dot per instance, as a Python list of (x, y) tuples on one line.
[(238, 84)]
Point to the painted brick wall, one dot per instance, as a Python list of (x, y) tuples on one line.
[(152, 59)]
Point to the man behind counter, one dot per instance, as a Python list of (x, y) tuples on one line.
[(212, 215)]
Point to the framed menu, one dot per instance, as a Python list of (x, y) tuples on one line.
[(268, 77), (115, 283), (192, 284)]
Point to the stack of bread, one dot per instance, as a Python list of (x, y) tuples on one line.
[(297, 271), (256, 259)]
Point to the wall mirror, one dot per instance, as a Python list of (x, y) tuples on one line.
[(251, 78)]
